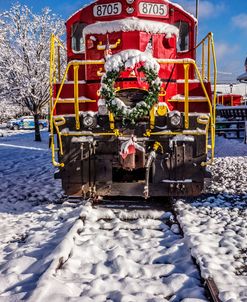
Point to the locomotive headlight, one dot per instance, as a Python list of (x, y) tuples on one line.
[(175, 118), (102, 110), (89, 121)]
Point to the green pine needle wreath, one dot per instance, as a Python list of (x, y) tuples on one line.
[(119, 109)]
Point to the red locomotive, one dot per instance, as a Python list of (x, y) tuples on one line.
[(132, 114), (229, 99)]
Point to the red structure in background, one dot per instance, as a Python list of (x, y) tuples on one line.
[(229, 99)]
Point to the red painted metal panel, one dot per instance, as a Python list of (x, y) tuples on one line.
[(163, 47)]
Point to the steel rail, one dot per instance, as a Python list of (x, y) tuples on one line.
[(212, 289)]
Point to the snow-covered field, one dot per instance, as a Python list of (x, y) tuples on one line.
[(33, 225)]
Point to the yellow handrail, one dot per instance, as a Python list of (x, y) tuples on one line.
[(203, 59), (55, 61), (186, 95), (76, 96), (100, 46), (55, 42), (209, 56)]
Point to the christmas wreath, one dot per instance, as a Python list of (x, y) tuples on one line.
[(141, 63)]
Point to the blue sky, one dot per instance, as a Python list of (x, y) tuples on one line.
[(227, 19)]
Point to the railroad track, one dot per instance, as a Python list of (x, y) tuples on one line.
[(124, 251)]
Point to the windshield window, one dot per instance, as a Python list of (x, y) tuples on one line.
[(77, 37), (183, 39)]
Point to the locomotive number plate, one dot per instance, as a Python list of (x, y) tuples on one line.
[(148, 8), (108, 9)]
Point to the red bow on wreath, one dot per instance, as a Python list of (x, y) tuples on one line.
[(136, 73), (139, 74)]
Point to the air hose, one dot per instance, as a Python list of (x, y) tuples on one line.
[(150, 160)]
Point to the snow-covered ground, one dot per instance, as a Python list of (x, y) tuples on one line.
[(216, 227), (123, 256), (216, 231), (32, 226)]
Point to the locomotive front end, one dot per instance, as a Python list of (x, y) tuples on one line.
[(132, 114)]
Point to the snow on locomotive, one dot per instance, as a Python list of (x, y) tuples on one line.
[(132, 114)]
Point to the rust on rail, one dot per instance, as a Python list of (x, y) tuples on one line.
[(213, 290)]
